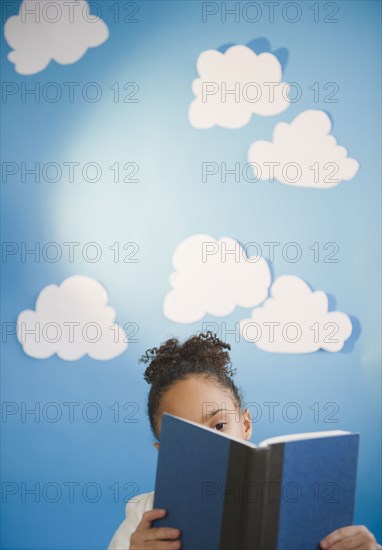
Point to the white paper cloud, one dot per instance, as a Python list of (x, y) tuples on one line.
[(240, 69), (44, 31), (72, 320), (210, 280), (305, 152), (296, 320)]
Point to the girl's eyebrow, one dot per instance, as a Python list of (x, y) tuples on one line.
[(211, 414)]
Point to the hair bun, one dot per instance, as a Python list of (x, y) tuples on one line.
[(203, 349)]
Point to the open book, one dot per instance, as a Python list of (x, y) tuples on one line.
[(226, 493)]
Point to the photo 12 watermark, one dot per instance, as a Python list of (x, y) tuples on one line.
[(271, 412), (70, 252), (270, 492), (270, 12), (69, 172), (255, 92), (69, 92), (56, 11), (69, 491), (252, 252), (292, 172), (70, 412)]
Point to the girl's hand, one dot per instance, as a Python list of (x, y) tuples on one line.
[(354, 537), (147, 537)]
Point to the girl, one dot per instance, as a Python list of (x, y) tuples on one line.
[(183, 378)]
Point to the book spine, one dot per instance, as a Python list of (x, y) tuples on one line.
[(233, 502), (253, 495), (272, 498)]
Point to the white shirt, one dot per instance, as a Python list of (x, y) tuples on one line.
[(134, 511)]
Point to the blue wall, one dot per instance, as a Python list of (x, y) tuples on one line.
[(170, 203)]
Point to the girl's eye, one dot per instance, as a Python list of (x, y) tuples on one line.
[(220, 424)]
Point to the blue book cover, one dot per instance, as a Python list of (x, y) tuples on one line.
[(225, 493), (316, 496)]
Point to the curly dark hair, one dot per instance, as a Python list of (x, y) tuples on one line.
[(201, 354)]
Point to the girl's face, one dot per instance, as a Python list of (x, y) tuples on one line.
[(200, 400)]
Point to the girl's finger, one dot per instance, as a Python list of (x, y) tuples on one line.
[(149, 516), (350, 543), (340, 534), (162, 533), (157, 545)]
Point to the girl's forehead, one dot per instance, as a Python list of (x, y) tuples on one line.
[(197, 386), (194, 397)]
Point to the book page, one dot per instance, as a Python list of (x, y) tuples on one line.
[(297, 437)]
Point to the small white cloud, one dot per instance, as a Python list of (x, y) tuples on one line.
[(213, 277), (303, 154), (256, 79), (44, 31), (296, 320), (72, 320)]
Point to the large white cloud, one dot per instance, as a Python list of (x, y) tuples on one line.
[(306, 153), (211, 280), (296, 320), (242, 69), (72, 320), (43, 31)]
